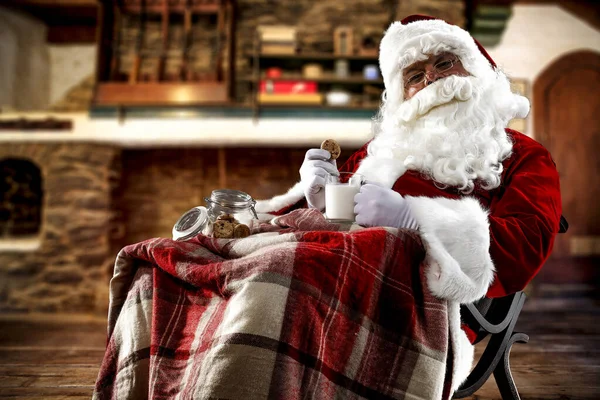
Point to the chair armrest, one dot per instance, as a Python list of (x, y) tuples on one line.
[(563, 225), (496, 348), (499, 327)]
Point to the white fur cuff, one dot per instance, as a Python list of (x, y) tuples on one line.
[(293, 195), (457, 238)]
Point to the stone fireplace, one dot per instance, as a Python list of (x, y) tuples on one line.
[(56, 220)]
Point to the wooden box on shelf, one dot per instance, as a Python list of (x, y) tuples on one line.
[(343, 41), (133, 73), (277, 39)]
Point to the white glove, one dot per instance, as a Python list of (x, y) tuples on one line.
[(315, 169), (379, 206)]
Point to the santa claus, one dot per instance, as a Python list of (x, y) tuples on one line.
[(485, 199)]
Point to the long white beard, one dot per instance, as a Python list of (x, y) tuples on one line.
[(452, 131)]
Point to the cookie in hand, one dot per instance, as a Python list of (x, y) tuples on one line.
[(332, 147)]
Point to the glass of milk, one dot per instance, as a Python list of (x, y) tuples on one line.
[(339, 196)]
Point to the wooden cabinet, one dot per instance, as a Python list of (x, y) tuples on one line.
[(151, 51)]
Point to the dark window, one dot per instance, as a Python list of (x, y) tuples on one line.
[(20, 198)]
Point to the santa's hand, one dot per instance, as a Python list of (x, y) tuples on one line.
[(379, 206), (315, 169)]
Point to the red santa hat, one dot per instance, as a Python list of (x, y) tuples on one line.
[(417, 37)]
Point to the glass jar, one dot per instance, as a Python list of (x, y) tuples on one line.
[(200, 219), (236, 203)]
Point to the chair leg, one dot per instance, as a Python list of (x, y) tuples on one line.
[(502, 374)]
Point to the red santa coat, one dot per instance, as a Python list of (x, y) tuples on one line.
[(499, 238), (484, 243), (523, 212)]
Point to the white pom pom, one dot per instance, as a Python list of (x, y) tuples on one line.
[(521, 106)]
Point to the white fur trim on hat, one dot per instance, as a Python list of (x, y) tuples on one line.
[(456, 234), (403, 45)]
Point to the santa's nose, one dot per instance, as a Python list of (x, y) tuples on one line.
[(432, 76)]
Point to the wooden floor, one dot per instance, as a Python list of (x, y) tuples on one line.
[(57, 357)]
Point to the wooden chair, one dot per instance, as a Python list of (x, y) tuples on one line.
[(497, 318)]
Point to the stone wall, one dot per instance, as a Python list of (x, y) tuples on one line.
[(77, 98), (317, 19), (70, 268), (452, 11)]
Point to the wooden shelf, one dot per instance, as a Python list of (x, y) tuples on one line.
[(157, 8), (319, 106), (235, 110), (316, 56), (293, 64), (328, 78), (153, 93)]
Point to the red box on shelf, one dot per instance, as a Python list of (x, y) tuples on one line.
[(291, 86)]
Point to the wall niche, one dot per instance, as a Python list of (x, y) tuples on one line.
[(21, 198)]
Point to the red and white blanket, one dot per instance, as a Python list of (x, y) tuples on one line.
[(301, 309)]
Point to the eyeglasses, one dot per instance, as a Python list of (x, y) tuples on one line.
[(441, 66)]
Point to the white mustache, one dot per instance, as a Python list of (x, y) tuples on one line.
[(440, 92)]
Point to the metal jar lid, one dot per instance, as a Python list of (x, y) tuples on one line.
[(190, 224)]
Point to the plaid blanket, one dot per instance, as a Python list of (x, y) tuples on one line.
[(301, 309)]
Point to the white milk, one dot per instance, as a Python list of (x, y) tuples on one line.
[(339, 200)]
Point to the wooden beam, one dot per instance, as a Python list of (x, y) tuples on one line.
[(51, 3), (222, 164), (179, 8), (58, 13), (106, 20), (71, 34), (155, 93)]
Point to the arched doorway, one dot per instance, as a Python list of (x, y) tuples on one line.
[(566, 110)]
